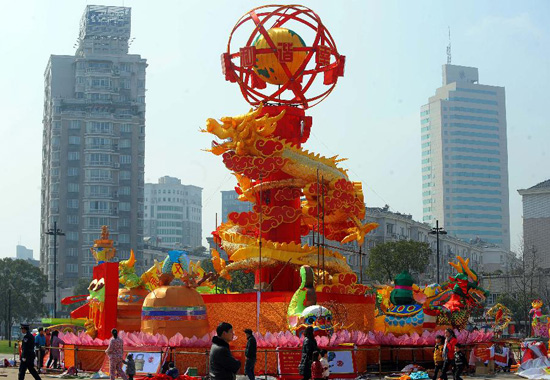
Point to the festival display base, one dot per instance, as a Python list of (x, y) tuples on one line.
[(270, 309), (85, 358)]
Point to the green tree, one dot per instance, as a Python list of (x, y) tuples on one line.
[(199, 251), (387, 260), (240, 280), (28, 287), (81, 287)]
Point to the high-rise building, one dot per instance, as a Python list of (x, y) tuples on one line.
[(465, 158), (93, 145), (231, 203), (22, 252), (173, 214), (536, 223)]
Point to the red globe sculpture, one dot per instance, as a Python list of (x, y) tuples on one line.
[(279, 64)]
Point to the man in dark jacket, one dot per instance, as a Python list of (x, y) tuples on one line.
[(250, 354), (27, 354), (223, 366)]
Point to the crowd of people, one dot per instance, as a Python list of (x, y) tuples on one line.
[(36, 347), (448, 355)]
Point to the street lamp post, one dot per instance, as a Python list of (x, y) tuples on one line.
[(55, 232), (437, 231)]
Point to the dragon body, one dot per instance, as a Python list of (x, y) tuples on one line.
[(272, 173)]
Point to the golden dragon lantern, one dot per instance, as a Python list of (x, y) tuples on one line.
[(278, 70)]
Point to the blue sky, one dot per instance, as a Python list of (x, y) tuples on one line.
[(394, 52)]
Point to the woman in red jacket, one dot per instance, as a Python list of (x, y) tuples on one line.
[(449, 352)]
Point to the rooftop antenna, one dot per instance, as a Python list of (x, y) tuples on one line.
[(449, 48)]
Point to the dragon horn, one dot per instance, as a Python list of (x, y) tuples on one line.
[(132, 260), (466, 268), (456, 266)]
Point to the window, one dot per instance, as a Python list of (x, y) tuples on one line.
[(97, 190), (477, 208), (75, 124), (72, 252), (470, 100), (475, 158), (124, 222), (98, 206), (141, 83), (125, 159), (389, 228), (72, 203), (97, 222), (477, 91), (71, 268), (475, 175), (476, 167), (125, 128), (474, 110), (98, 143), (124, 174), (477, 191), (124, 190), (72, 187), (475, 126), (476, 183), (73, 156), (99, 127), (475, 134), (98, 175), (475, 118), (72, 236), (100, 82), (477, 199), (125, 143), (72, 219), (98, 159), (476, 216), (475, 150), (74, 140), (473, 142), (123, 238), (124, 206), (71, 172)]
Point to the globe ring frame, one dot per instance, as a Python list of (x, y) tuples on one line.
[(260, 16)]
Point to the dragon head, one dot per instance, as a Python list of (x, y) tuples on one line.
[(240, 132)]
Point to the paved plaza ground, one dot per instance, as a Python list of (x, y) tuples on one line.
[(11, 374)]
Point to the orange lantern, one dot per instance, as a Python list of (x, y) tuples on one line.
[(169, 310), (129, 306)]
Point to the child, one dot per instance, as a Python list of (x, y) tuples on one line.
[(448, 352), (130, 366), (460, 361), (316, 367), (172, 371), (438, 355), (324, 363)]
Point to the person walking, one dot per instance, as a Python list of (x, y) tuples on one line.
[(223, 366), (40, 343), (115, 352), (449, 352), (27, 354), (54, 350), (309, 346), (250, 354)]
